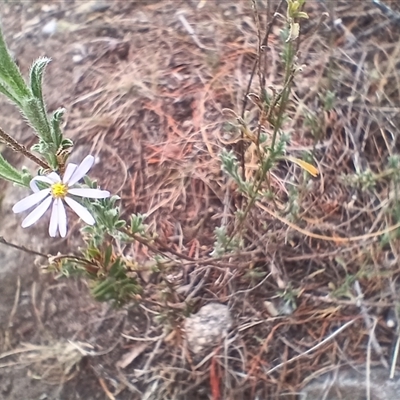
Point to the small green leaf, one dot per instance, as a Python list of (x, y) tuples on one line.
[(107, 256), (67, 143), (137, 225), (8, 93), (36, 76), (36, 147), (56, 127), (120, 224), (10, 73), (9, 173), (36, 114), (93, 253), (117, 270)]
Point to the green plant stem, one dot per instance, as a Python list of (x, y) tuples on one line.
[(163, 249), (147, 242), (257, 184), (257, 62), (22, 149), (282, 97)]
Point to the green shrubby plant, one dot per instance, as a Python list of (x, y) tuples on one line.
[(58, 184), (268, 139)]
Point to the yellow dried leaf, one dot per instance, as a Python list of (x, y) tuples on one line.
[(294, 31), (302, 14), (305, 165)]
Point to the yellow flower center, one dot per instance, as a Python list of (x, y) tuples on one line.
[(59, 190)]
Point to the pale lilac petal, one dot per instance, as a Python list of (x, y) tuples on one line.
[(91, 193), (54, 219), (54, 177), (81, 170), (37, 213), (30, 201), (62, 219), (69, 171), (82, 212), (39, 178)]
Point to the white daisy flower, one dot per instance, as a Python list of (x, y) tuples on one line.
[(56, 194)]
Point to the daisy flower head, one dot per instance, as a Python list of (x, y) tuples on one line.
[(59, 192)]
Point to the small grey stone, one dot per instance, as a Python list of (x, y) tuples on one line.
[(205, 329), (50, 28), (77, 58), (351, 385)]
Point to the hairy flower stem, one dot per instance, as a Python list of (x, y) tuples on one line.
[(22, 149)]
